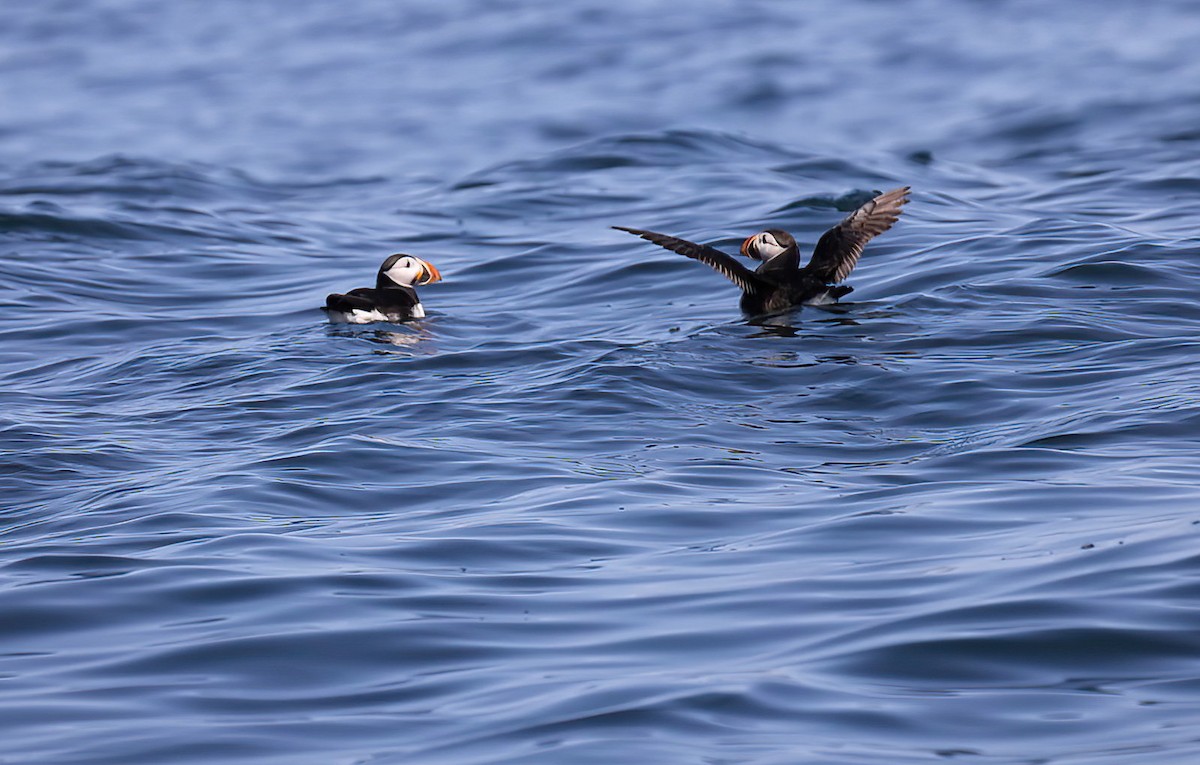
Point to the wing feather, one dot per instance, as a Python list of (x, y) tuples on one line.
[(838, 250), (348, 302), (735, 272)]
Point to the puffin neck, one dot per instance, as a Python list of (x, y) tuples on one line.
[(385, 282), (788, 260)]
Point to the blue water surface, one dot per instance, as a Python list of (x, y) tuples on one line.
[(584, 512)]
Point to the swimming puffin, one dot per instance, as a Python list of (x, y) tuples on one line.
[(393, 298), (779, 283)]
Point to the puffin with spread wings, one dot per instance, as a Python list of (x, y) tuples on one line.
[(779, 283)]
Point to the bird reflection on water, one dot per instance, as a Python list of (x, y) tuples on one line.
[(788, 324), (409, 338)]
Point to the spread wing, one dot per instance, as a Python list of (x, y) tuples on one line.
[(839, 248), (735, 272)]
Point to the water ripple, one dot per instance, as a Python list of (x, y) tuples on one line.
[(584, 509)]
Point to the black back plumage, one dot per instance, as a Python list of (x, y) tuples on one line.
[(779, 283), (395, 301)]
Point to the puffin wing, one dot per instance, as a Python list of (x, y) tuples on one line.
[(348, 302), (839, 248), (367, 299), (750, 283)]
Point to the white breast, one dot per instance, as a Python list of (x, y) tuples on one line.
[(357, 316), (360, 316)]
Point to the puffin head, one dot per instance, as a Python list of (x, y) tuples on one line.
[(767, 244), (407, 271)]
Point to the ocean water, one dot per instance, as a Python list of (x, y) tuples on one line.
[(585, 512)]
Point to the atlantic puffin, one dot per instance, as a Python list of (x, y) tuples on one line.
[(392, 299), (779, 283)]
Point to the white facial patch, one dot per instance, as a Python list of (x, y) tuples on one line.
[(768, 246), (405, 272)]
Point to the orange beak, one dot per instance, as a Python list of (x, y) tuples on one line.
[(429, 273), (746, 247)]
